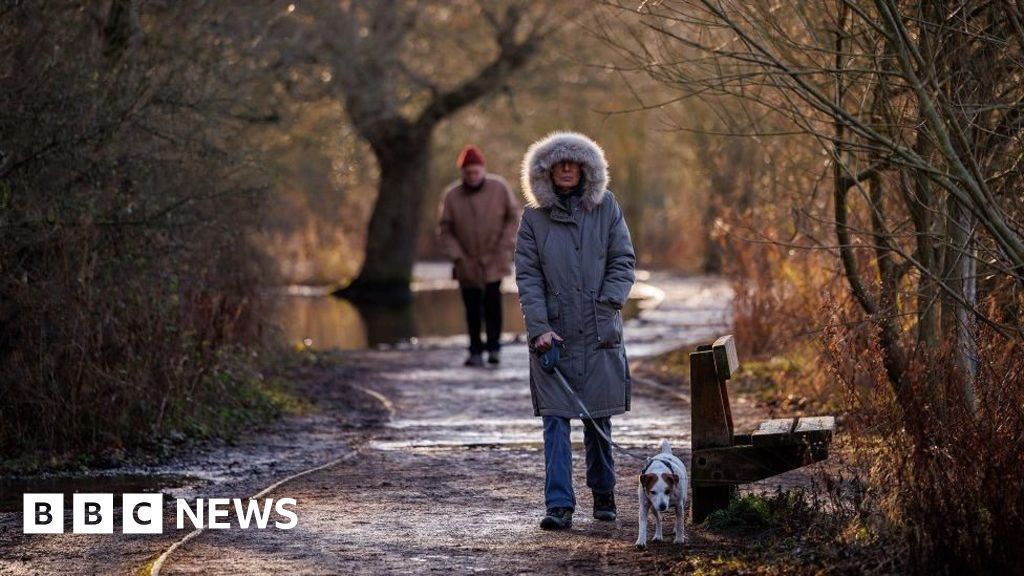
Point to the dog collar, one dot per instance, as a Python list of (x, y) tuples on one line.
[(654, 459)]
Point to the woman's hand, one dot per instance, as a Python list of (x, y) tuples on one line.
[(543, 342)]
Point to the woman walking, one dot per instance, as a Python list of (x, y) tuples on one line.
[(574, 269)]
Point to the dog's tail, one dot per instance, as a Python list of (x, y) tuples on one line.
[(666, 448)]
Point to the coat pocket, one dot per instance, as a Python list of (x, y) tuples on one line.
[(609, 325), (554, 312)]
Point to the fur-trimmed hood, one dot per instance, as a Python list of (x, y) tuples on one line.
[(559, 147)]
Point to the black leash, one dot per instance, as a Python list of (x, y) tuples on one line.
[(549, 363)]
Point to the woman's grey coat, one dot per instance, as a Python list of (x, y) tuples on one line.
[(574, 270)]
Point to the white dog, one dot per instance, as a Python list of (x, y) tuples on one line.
[(663, 484)]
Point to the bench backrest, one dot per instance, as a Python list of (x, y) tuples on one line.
[(710, 368)]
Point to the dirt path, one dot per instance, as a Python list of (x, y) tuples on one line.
[(453, 482), (447, 476)]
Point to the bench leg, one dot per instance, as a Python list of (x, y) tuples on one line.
[(707, 499)]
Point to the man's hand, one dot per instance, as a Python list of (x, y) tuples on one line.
[(543, 342)]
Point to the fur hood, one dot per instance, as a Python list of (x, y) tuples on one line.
[(559, 147)]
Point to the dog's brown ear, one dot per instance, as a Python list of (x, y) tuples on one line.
[(672, 479), (648, 480)]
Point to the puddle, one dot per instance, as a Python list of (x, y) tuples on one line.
[(12, 489), (457, 446), (323, 321)]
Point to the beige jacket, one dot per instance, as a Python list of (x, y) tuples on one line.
[(477, 230)]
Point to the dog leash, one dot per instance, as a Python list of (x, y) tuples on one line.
[(549, 363)]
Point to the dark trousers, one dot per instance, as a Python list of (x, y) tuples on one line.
[(483, 304), (558, 492)]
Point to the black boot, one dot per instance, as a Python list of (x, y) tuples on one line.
[(557, 519), (604, 506)]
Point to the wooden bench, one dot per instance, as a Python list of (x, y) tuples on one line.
[(723, 459)]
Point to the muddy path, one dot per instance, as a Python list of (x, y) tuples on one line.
[(432, 467)]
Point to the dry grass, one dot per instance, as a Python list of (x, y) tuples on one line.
[(943, 485)]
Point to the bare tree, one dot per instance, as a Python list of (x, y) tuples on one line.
[(920, 107), (401, 68)]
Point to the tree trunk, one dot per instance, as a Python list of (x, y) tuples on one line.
[(960, 324), (967, 348), (394, 225)]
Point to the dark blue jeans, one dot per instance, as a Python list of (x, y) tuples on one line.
[(558, 491)]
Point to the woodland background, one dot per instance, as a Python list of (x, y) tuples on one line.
[(853, 166)]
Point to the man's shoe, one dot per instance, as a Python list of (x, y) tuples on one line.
[(557, 519), (493, 357), (604, 506), (474, 360)]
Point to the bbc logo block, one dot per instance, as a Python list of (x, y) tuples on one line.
[(44, 513), (143, 513), (93, 514)]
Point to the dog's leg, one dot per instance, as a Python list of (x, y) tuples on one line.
[(680, 519), (658, 536), (641, 539), (680, 531)]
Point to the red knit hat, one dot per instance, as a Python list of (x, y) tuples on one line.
[(470, 155)]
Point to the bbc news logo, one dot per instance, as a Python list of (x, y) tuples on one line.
[(144, 513)]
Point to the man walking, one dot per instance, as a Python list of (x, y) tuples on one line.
[(479, 216)]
